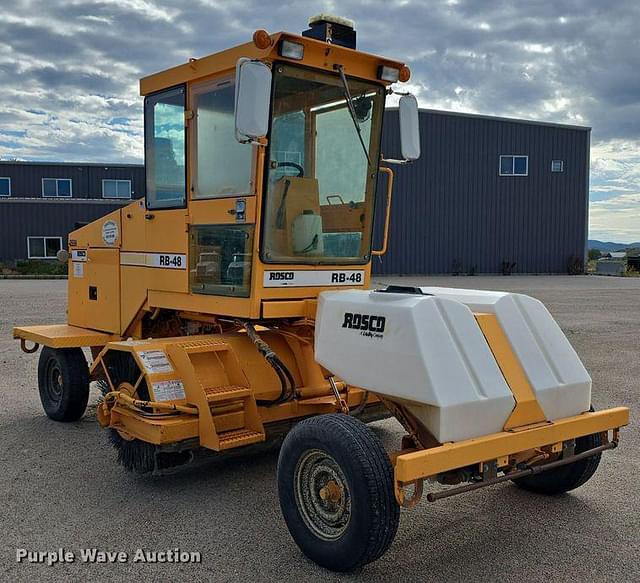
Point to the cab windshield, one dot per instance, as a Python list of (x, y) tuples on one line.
[(320, 185)]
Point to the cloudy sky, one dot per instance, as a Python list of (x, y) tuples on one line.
[(69, 70)]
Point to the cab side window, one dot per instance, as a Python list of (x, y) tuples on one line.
[(165, 149), (221, 165)]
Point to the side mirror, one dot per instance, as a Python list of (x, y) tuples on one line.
[(409, 127), (252, 100)]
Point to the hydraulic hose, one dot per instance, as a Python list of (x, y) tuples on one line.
[(360, 408), (287, 382), (288, 375)]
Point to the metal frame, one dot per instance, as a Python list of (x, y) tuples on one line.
[(570, 458), (418, 465), (63, 336)]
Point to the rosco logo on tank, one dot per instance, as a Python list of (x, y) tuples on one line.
[(369, 325)]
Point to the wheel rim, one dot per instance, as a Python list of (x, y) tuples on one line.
[(322, 494), (55, 382)]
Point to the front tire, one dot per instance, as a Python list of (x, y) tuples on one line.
[(63, 382), (335, 484)]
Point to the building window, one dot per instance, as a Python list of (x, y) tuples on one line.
[(5, 186), (116, 189), (60, 187), (43, 247), (557, 165), (514, 165)]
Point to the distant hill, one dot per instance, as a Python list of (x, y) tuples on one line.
[(609, 246)]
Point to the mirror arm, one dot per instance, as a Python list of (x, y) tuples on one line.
[(394, 161), (391, 91)]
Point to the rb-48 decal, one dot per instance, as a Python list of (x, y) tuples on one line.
[(308, 278)]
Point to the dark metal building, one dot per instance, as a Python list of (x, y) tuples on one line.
[(40, 203), (488, 195)]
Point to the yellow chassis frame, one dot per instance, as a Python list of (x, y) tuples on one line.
[(415, 466), (60, 336)]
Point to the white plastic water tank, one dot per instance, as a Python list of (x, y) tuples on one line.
[(425, 351), (553, 368), (428, 352)]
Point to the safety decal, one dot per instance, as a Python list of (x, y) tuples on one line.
[(155, 361), (168, 390)]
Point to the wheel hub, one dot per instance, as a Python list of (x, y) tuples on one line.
[(322, 494), (332, 492), (55, 384)]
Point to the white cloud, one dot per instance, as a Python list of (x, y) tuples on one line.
[(616, 219), (537, 48)]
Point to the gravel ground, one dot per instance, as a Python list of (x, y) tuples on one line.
[(62, 488)]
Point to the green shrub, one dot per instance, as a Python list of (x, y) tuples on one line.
[(594, 254), (39, 267)]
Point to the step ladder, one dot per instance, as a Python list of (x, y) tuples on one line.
[(213, 378)]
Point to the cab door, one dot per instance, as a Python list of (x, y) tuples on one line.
[(222, 205), (166, 217)]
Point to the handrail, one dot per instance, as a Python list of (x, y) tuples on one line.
[(387, 219)]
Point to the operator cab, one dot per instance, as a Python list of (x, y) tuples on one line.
[(272, 152)]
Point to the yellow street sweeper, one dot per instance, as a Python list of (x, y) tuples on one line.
[(231, 307)]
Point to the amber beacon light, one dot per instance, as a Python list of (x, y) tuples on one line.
[(261, 39)]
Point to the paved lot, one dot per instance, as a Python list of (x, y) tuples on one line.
[(61, 486)]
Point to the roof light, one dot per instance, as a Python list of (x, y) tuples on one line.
[(390, 74), (291, 50), (261, 39), (405, 74)]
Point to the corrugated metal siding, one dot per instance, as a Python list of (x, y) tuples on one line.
[(51, 218), (26, 178), (451, 207)]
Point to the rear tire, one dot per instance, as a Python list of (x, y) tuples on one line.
[(335, 484), (569, 477), (63, 382)]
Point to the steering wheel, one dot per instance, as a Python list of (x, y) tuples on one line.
[(297, 167)]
